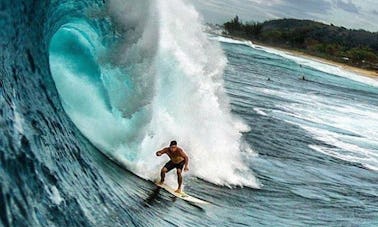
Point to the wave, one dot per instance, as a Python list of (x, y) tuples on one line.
[(233, 41), (145, 81)]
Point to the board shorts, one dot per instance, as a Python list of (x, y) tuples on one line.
[(170, 165)]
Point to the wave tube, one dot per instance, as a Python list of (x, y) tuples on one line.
[(162, 79)]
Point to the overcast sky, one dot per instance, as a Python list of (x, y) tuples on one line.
[(348, 13)]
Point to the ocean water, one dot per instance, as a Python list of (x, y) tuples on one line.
[(91, 89)]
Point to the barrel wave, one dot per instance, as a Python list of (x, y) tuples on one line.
[(145, 80)]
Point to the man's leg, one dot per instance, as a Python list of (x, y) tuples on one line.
[(163, 171), (179, 180)]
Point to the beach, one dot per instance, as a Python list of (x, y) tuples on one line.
[(359, 71)]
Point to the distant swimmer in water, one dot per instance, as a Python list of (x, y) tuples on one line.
[(303, 77), (179, 160)]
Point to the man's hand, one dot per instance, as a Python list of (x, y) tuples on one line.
[(161, 152), (186, 168)]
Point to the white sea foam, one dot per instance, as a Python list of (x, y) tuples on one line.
[(54, 194), (348, 129), (233, 41), (190, 104), (18, 119), (259, 111)]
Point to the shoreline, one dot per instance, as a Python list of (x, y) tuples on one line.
[(359, 71), (353, 69)]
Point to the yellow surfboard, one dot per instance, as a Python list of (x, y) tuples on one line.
[(182, 195)]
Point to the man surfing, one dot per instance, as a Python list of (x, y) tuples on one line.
[(179, 160)]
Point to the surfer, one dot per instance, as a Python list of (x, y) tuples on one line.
[(179, 160)]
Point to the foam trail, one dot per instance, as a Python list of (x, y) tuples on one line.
[(232, 41), (162, 80)]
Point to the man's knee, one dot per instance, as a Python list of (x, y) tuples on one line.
[(179, 171), (164, 170)]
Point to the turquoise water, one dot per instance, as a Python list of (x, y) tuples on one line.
[(91, 90)]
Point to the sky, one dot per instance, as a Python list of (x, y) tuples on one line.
[(355, 14)]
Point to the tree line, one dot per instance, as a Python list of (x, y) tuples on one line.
[(354, 47)]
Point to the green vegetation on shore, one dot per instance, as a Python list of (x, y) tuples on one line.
[(353, 47)]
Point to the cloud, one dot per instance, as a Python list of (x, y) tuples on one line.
[(219, 11), (304, 7), (348, 13), (300, 9), (348, 6)]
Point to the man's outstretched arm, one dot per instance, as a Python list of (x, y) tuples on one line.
[(159, 153)]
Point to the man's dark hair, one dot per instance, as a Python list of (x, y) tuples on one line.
[(173, 142)]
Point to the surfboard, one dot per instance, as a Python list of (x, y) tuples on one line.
[(182, 195)]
